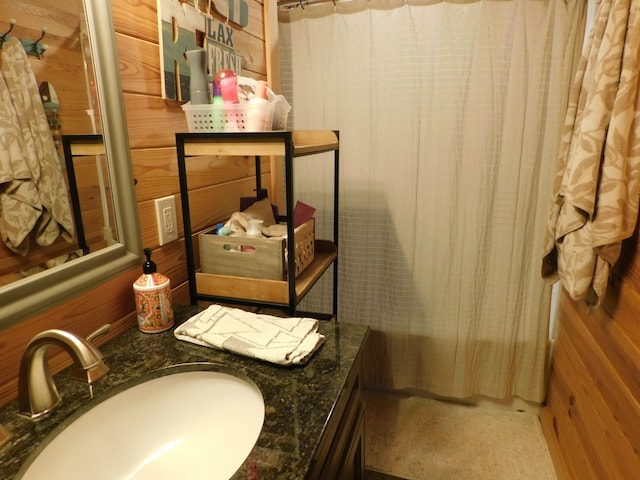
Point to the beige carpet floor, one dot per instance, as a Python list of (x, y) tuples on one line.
[(419, 438)]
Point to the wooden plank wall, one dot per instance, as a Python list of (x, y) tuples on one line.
[(591, 419), (216, 184)]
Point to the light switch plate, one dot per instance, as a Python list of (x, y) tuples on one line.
[(166, 219)]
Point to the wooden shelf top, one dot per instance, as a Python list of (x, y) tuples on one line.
[(83, 145), (304, 142)]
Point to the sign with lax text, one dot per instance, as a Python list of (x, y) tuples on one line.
[(183, 27)]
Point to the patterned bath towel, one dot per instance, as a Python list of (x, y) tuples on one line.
[(283, 341)]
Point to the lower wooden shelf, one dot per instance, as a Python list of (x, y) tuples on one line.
[(268, 291)]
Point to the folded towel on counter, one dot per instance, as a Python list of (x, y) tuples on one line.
[(283, 341)]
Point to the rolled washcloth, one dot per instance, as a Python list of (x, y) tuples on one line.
[(283, 341)]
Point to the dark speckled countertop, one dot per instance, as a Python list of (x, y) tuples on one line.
[(298, 400)]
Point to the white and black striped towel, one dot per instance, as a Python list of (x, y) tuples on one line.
[(283, 341)]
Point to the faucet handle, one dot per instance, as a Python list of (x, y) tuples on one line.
[(104, 329)]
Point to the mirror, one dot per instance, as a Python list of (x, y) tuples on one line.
[(39, 292)]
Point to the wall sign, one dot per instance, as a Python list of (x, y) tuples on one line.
[(184, 27), (220, 49), (235, 10)]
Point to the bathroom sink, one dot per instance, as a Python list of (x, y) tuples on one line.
[(190, 425)]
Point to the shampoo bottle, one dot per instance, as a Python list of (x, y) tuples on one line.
[(258, 113), (153, 298)]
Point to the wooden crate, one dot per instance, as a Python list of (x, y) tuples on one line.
[(264, 258)]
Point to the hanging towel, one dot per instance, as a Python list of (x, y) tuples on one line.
[(20, 206), (283, 341), (597, 186), (39, 154)]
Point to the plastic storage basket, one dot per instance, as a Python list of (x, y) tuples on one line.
[(241, 117)]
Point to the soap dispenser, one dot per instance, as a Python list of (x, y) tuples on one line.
[(153, 298)]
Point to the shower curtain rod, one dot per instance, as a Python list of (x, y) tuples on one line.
[(290, 4)]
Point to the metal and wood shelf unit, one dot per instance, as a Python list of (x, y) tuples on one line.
[(286, 294), (81, 146)]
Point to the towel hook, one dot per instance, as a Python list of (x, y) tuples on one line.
[(35, 48), (44, 32), (3, 37), (12, 23)]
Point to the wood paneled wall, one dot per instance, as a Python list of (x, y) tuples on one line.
[(216, 183), (591, 420)]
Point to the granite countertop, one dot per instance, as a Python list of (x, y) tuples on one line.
[(298, 400)]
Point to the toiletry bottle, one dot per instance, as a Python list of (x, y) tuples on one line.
[(153, 298), (198, 84), (223, 230), (259, 110), (227, 82), (253, 230), (261, 92), (219, 118)]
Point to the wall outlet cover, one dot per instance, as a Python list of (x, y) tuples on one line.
[(166, 219)]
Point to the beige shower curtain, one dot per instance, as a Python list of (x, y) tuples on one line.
[(450, 117), (595, 195)]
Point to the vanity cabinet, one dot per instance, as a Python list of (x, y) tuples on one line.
[(340, 454), (289, 145)]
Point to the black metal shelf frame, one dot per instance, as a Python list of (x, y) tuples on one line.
[(287, 139)]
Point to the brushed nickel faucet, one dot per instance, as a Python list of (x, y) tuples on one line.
[(37, 393)]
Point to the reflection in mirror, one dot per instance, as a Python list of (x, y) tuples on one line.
[(90, 191), (69, 49), (51, 66)]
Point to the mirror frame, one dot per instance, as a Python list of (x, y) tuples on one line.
[(32, 295)]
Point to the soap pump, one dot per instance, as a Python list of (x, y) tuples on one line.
[(153, 298)]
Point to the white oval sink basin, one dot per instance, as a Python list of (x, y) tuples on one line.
[(186, 425)]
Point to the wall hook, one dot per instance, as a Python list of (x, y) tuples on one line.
[(12, 23), (3, 37), (35, 47), (44, 32)]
